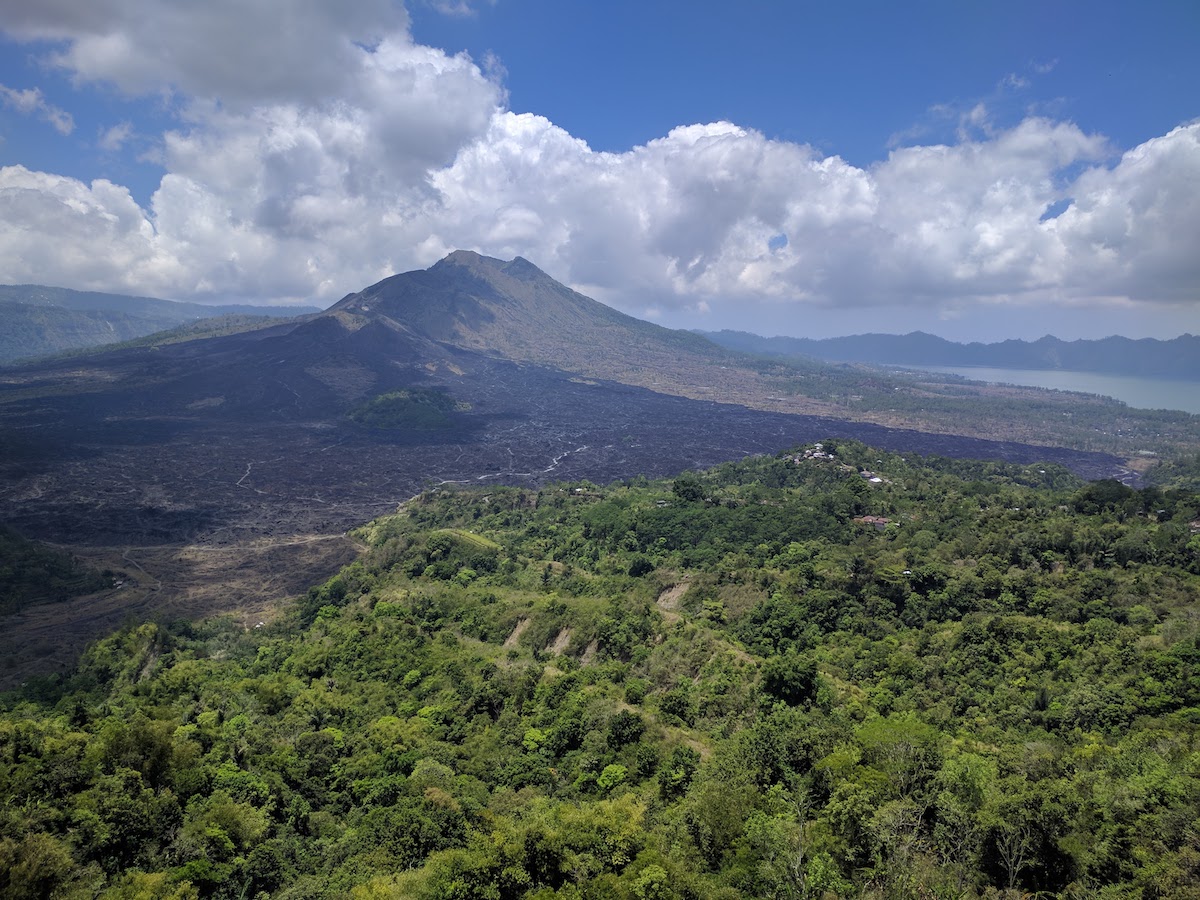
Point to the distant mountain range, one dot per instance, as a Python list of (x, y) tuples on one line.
[(36, 320), (1176, 358)]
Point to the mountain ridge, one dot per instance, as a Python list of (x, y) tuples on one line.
[(1178, 357), (515, 310), (40, 320)]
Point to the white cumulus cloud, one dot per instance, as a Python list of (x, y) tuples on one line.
[(320, 149), (95, 235)]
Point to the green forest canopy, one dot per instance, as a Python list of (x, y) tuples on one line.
[(837, 673), (411, 409)]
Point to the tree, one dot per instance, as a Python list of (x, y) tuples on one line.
[(688, 488), (790, 678), (962, 786), (34, 868), (653, 883), (1012, 829)]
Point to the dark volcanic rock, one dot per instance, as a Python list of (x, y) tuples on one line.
[(248, 435), (228, 475)]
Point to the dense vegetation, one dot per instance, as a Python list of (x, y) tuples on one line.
[(212, 326), (833, 673), (31, 331), (1181, 472), (416, 409)]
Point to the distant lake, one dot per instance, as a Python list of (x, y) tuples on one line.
[(1144, 393)]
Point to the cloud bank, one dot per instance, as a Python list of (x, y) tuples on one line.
[(317, 154)]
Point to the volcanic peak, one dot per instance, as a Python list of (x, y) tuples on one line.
[(514, 310)]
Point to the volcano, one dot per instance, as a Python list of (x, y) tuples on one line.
[(219, 474), (260, 432)]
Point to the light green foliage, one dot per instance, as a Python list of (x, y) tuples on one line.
[(653, 883), (150, 886), (533, 739), (613, 775), (719, 686)]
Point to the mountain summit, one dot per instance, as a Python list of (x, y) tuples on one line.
[(516, 311)]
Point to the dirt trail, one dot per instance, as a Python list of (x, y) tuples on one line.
[(251, 581)]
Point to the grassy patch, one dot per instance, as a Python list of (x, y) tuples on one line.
[(413, 409)]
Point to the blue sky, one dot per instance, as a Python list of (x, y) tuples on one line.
[(847, 78), (976, 170)]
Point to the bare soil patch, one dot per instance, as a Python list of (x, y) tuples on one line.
[(511, 640), (589, 654), (560, 643), (668, 601)]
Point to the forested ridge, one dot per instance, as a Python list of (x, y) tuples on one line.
[(830, 673)]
